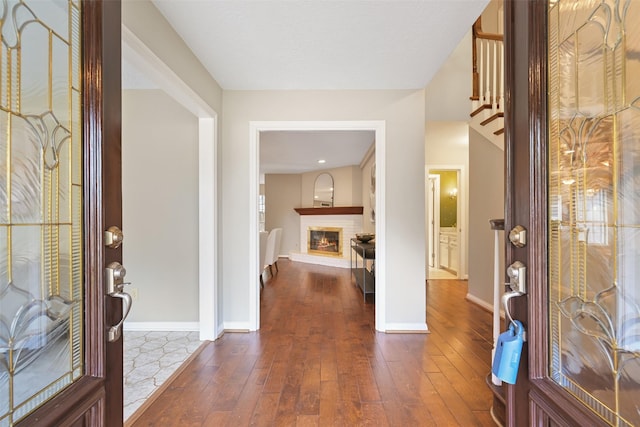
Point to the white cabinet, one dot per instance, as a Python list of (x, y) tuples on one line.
[(449, 251)]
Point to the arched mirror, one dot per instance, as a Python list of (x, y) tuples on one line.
[(323, 191)]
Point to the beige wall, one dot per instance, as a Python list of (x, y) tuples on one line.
[(282, 194), (160, 206), (447, 94), (447, 144), (403, 113), (346, 184), (368, 224), (486, 201), (150, 26), (147, 24)]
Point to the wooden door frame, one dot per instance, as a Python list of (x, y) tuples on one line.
[(96, 398), (535, 398)]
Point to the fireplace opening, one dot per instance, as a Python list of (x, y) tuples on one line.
[(325, 241)]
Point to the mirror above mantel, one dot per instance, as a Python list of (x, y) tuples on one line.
[(323, 191)]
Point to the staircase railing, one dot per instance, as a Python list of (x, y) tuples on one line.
[(488, 70)]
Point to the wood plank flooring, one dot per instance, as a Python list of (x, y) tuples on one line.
[(317, 361)]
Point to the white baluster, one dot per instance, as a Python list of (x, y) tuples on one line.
[(481, 73), (487, 94), (501, 104), (494, 74)]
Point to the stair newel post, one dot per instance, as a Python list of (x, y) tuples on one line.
[(475, 97)]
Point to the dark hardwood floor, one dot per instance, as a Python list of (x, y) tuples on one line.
[(317, 361)]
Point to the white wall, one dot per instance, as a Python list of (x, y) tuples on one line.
[(160, 206), (447, 144), (486, 200), (403, 112)]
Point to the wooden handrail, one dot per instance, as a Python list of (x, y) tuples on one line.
[(479, 34)]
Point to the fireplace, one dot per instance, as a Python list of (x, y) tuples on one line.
[(325, 241)]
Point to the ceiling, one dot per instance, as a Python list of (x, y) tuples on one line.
[(299, 151), (321, 44), (317, 45)]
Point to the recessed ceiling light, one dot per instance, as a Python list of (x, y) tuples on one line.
[(322, 161)]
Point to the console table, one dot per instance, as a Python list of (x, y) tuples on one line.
[(365, 277)]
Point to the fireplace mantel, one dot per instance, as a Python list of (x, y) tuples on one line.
[(339, 210)]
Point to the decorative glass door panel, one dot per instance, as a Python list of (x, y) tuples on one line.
[(594, 214), (41, 237)]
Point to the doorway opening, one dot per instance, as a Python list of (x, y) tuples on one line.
[(378, 127), (136, 53), (444, 190)]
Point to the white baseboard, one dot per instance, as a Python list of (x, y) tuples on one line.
[(161, 326), (482, 303), (236, 327), (220, 331), (407, 328)]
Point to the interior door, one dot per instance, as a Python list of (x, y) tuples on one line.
[(573, 168), (433, 220), (60, 362)]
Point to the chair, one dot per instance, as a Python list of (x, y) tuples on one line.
[(272, 249), (263, 250)]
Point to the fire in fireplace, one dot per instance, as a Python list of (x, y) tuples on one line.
[(324, 241)]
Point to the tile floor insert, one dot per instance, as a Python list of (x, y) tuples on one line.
[(149, 359), (438, 273)]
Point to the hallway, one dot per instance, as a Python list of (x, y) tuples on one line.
[(317, 361)]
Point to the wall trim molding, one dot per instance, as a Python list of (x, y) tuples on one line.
[(237, 327), (482, 303), (407, 328), (162, 326)]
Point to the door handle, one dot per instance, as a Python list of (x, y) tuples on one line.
[(517, 273), (114, 279)]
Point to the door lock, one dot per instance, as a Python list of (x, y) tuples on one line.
[(518, 236), (517, 273), (113, 237)]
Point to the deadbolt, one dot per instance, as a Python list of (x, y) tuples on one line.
[(518, 236), (113, 237)]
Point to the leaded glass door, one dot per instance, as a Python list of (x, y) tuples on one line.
[(573, 180), (55, 359)]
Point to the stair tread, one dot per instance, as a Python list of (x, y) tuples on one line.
[(491, 118), (479, 109), (498, 390)]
